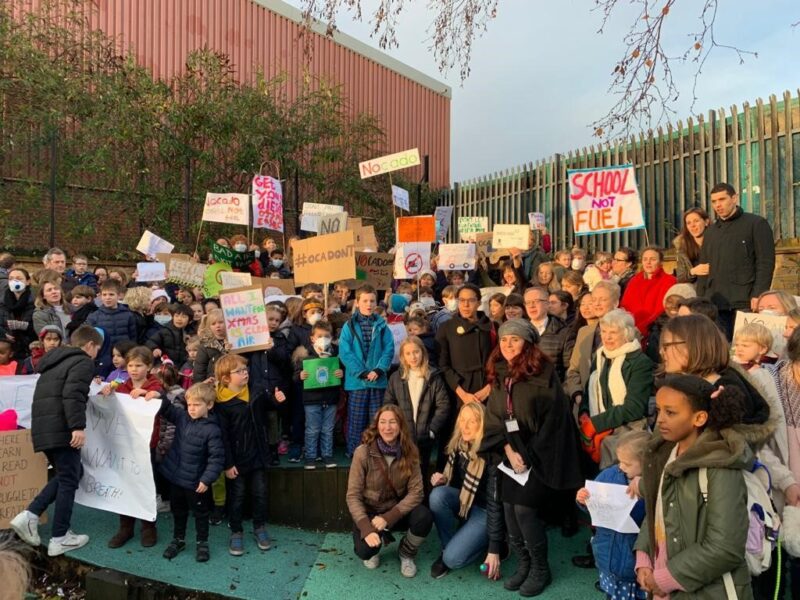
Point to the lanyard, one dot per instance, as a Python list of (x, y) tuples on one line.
[(509, 406)]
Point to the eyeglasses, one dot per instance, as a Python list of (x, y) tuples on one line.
[(666, 345), (623, 259), (239, 371), (532, 303)]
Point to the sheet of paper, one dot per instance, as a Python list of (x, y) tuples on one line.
[(151, 271), (610, 507), (520, 478)]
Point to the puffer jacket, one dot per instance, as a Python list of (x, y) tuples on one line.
[(118, 325), (60, 397), (705, 539), (207, 356), (433, 409), (357, 362), (48, 316), (169, 339), (244, 430), (368, 494), (197, 453)]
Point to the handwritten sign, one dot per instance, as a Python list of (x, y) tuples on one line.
[(227, 208), (321, 373), (483, 244), (537, 221), (400, 197), (309, 219), (16, 392), (510, 236), (469, 226), (610, 507), (411, 259), (457, 257), (237, 260), (774, 323), (604, 199), (151, 271), (245, 319), (325, 258), (365, 239), (332, 223), (151, 244), (23, 473), (267, 196), (416, 229), (212, 279), (443, 216), (231, 280), (375, 268), (187, 272), (487, 293), (389, 163), (117, 473)]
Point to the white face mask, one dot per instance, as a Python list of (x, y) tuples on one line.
[(428, 302), (322, 344), (578, 264), (769, 311), (451, 305), (240, 247), (313, 318), (163, 319), (16, 286)]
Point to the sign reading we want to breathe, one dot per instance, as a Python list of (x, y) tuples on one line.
[(604, 199)]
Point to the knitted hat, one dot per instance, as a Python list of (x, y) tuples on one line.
[(521, 328), (398, 304), (51, 329), (156, 294), (309, 304), (684, 290)]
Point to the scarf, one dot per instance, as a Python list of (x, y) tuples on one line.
[(15, 305), (471, 482), (225, 394), (616, 384), (389, 450), (366, 324)]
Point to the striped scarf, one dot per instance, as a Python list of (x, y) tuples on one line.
[(472, 479)]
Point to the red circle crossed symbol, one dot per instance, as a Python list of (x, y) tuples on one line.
[(413, 263)]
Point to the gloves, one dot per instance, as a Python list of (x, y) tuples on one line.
[(591, 440)]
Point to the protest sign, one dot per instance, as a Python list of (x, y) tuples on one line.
[(537, 221), (16, 392), (483, 244), (151, 244), (245, 319), (325, 258), (332, 223), (487, 293), (167, 258), (151, 271), (510, 236), (399, 335), (212, 282), (227, 208), (321, 373), (187, 272), (309, 219), (375, 268), (389, 163), (365, 240), (443, 215), (354, 223), (23, 473), (232, 280), (604, 199), (411, 259), (400, 197), (237, 260), (774, 323), (284, 286), (469, 226), (610, 506), (267, 197), (456, 257), (416, 229), (117, 473)]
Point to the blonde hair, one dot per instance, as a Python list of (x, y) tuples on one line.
[(635, 441), (405, 369), (785, 299), (456, 443), (138, 299), (204, 392), (193, 341), (212, 315), (754, 332)]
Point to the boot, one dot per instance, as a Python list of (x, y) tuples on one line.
[(523, 564), (149, 534), (124, 533), (409, 546), (539, 576)]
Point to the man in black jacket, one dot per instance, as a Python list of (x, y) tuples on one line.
[(737, 256)]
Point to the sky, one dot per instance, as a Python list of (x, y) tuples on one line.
[(540, 73)]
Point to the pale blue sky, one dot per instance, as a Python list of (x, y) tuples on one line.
[(540, 73)]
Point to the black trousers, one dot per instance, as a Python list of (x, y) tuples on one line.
[(181, 502), (256, 480), (61, 488), (419, 522), (524, 522)]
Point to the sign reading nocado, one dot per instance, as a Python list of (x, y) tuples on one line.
[(604, 199), (389, 163)]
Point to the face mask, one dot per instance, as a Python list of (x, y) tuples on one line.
[(16, 286), (451, 305), (277, 263), (256, 253), (428, 302), (322, 344), (769, 311), (240, 247), (163, 319), (313, 319), (334, 309), (578, 264)]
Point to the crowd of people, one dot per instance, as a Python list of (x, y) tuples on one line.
[(479, 415)]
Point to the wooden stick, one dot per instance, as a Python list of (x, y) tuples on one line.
[(197, 244), (325, 294), (646, 238)]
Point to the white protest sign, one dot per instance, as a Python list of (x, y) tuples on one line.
[(469, 226), (267, 199), (537, 221), (311, 211), (187, 272), (16, 392), (151, 271), (442, 214), (510, 236), (456, 257), (487, 293), (151, 244), (334, 223), (610, 507), (399, 334), (232, 280), (604, 199), (774, 323), (410, 259), (400, 197), (389, 163), (227, 208), (117, 474)]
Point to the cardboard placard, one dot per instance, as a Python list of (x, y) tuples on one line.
[(604, 199), (245, 319), (365, 240), (231, 280), (400, 197), (286, 286), (334, 223), (537, 221), (325, 258), (375, 268), (354, 223), (212, 282), (23, 473), (774, 323), (151, 271), (150, 244), (483, 244), (416, 229), (456, 257), (443, 216), (267, 197), (321, 373), (237, 260), (167, 258), (389, 163), (16, 393), (411, 259), (469, 226), (511, 236), (187, 272), (227, 208)]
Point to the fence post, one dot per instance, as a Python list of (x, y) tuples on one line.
[(53, 172)]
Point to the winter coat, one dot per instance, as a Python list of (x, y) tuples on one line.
[(580, 361), (270, 369), (740, 252), (433, 409), (79, 317), (439, 318), (87, 278), (644, 298), (369, 495), (59, 400), (48, 316), (429, 341), (358, 363), (557, 344), (531, 259), (18, 309), (244, 431), (328, 396), (207, 355), (169, 339), (119, 325), (166, 430), (464, 348), (197, 453), (704, 540)]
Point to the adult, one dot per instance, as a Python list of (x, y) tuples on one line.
[(739, 249), (16, 311), (623, 266), (465, 502), (776, 302), (644, 295), (514, 307), (572, 282), (554, 338), (792, 322), (511, 277), (600, 270), (7, 261), (56, 260), (688, 244), (497, 308), (546, 277), (102, 274), (529, 422), (562, 305), (531, 258), (385, 492), (51, 309), (618, 390)]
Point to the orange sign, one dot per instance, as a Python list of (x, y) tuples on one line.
[(416, 229)]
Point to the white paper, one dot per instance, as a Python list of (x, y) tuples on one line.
[(400, 197), (16, 392), (469, 226), (510, 236), (442, 214), (309, 219), (151, 271), (335, 223), (411, 259), (520, 478), (231, 280), (537, 221), (151, 244), (456, 257), (610, 507)]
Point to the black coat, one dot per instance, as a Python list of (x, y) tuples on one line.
[(244, 431), (60, 397), (169, 339), (327, 396), (433, 409), (79, 317), (464, 348), (270, 369), (18, 309), (207, 356), (197, 452), (557, 344)]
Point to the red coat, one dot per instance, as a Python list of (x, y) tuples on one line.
[(644, 298), (151, 384)]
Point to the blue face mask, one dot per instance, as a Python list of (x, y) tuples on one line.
[(163, 319), (277, 263)]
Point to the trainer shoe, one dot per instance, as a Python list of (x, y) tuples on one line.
[(236, 544), (309, 466), (26, 526), (330, 462), (408, 568), (439, 569), (374, 562), (71, 541), (262, 539)]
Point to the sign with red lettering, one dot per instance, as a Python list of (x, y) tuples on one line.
[(245, 319), (267, 203), (604, 199), (227, 208)]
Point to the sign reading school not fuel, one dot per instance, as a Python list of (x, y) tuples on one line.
[(604, 199)]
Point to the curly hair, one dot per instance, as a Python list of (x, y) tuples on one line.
[(409, 455), (528, 363)]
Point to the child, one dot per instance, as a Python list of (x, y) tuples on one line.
[(450, 305), (169, 339), (242, 420), (687, 543), (418, 326), (751, 344), (82, 300), (319, 404), (276, 264), (187, 369), (342, 292), (49, 339), (58, 421), (8, 367), (613, 551), (140, 384), (80, 273), (168, 377), (193, 463), (118, 353), (366, 347), (115, 319)]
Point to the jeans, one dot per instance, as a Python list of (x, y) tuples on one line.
[(61, 488), (418, 522), (257, 481), (320, 420), (181, 502), (462, 545)]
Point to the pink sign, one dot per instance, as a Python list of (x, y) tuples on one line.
[(267, 203)]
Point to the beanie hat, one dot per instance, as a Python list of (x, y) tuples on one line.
[(398, 304), (156, 294), (521, 328), (684, 290), (51, 329)]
